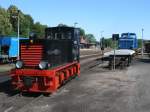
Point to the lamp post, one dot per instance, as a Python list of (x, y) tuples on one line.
[(18, 29), (75, 24), (101, 40), (18, 34), (142, 42), (102, 34), (101, 44)]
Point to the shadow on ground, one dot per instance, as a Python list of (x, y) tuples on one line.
[(8, 89), (145, 60)]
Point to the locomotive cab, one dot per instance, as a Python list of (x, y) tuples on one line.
[(45, 64), (128, 41)]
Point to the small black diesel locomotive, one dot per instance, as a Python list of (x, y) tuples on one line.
[(46, 64)]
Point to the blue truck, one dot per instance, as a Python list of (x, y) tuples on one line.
[(128, 41), (8, 49)]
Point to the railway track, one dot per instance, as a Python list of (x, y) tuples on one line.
[(11, 101)]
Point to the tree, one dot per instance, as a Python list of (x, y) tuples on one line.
[(13, 13), (5, 25), (82, 32), (39, 29), (139, 43), (107, 42), (9, 24), (26, 23), (62, 25), (90, 38), (30, 19)]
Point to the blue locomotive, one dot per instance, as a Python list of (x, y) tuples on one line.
[(128, 41), (8, 49)]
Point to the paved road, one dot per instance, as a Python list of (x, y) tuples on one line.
[(4, 77), (97, 90), (101, 90), (141, 94), (10, 101)]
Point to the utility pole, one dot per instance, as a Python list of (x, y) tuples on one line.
[(18, 34), (114, 66), (18, 29), (102, 34), (142, 42), (101, 39), (115, 37)]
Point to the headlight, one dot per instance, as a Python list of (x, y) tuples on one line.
[(19, 64), (43, 65)]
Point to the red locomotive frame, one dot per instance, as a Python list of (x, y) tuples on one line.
[(50, 80)]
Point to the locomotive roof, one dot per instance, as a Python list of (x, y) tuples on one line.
[(128, 33), (60, 27)]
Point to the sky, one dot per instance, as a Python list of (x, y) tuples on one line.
[(98, 17)]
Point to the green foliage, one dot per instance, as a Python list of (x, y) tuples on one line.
[(61, 24), (90, 38), (39, 29), (139, 43), (82, 32), (5, 25), (13, 13), (9, 20), (107, 42), (9, 24)]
